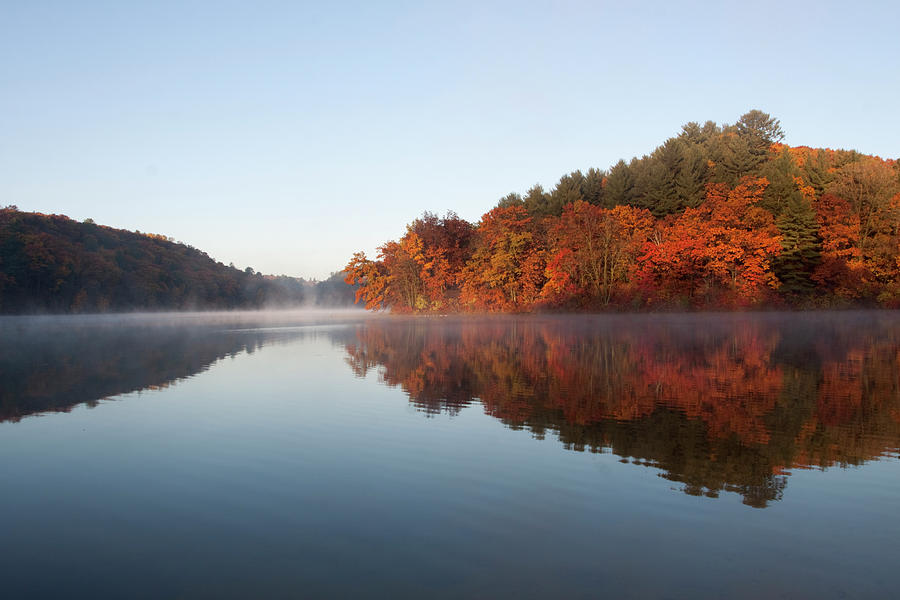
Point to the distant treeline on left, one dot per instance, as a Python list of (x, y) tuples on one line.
[(52, 264)]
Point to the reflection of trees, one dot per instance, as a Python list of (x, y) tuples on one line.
[(716, 402), (56, 367)]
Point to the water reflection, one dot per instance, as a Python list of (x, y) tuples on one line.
[(718, 403), (53, 365)]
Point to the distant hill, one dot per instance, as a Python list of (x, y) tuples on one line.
[(50, 263)]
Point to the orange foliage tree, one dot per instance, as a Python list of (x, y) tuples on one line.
[(506, 271), (593, 250), (841, 269), (726, 244), (446, 245), (420, 272)]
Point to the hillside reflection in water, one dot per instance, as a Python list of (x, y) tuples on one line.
[(715, 402), (718, 403), (281, 457), (53, 365)]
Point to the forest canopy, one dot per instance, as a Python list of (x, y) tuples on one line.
[(718, 216), (51, 263)]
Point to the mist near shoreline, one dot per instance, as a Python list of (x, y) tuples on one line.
[(302, 315), (593, 381), (184, 318)]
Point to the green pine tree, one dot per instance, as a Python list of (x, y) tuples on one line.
[(735, 158), (781, 173), (659, 185), (619, 185), (801, 246), (567, 190), (511, 199), (537, 201), (592, 188), (690, 183)]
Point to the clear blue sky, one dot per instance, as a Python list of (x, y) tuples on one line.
[(286, 136)]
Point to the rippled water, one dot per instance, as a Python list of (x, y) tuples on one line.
[(679, 456)]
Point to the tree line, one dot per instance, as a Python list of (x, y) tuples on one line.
[(51, 263), (716, 217)]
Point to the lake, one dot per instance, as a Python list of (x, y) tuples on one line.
[(292, 455)]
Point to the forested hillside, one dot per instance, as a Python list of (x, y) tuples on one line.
[(50, 263), (716, 217)]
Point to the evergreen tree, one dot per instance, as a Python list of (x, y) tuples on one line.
[(801, 245), (760, 129), (781, 173), (536, 201), (734, 158), (695, 134), (660, 187), (690, 183), (567, 191), (743, 147), (592, 188), (511, 199), (619, 185)]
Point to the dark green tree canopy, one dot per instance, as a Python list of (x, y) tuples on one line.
[(759, 128)]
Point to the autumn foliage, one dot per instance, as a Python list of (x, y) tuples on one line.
[(717, 217), (717, 253)]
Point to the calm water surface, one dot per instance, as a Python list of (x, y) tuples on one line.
[(681, 456)]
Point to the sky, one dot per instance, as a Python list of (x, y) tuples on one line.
[(286, 135)]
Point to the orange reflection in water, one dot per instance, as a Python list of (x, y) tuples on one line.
[(717, 402)]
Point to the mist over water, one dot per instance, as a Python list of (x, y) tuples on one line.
[(341, 454), (52, 363)]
